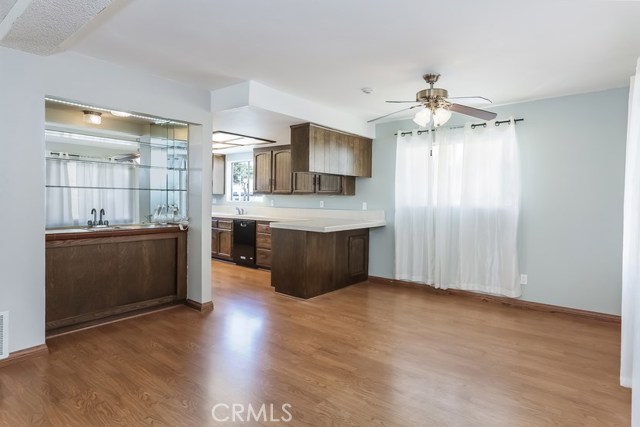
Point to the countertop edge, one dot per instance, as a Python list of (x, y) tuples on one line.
[(111, 233), (301, 226)]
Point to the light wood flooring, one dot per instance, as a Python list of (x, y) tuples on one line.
[(368, 355)]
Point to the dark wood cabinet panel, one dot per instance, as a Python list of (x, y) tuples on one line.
[(263, 258), (262, 168), (272, 170), (324, 261), (329, 184), (214, 242), (225, 244), (225, 224), (304, 183), (323, 150), (222, 238), (263, 244), (308, 183), (358, 260), (98, 277), (281, 171), (263, 241), (263, 227)]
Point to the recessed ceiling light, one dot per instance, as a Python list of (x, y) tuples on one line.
[(92, 117), (229, 139)]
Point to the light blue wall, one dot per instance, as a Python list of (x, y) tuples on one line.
[(570, 240)]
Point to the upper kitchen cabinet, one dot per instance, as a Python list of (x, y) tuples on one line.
[(272, 170), (309, 183), (218, 174), (323, 150)]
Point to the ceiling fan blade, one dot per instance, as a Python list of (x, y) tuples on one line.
[(472, 99), (395, 112), (402, 102), (473, 112)]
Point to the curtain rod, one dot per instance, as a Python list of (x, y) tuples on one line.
[(473, 126)]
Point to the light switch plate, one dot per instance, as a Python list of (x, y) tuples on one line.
[(322, 203), (523, 279)]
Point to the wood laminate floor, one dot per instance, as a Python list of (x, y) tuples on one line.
[(368, 355)]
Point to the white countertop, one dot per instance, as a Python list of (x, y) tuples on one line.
[(328, 225), (254, 217), (315, 220)]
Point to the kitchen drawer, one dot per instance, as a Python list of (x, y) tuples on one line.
[(225, 224), (263, 240), (264, 227), (263, 257)]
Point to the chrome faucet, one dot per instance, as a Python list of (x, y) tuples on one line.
[(95, 222), (95, 219)]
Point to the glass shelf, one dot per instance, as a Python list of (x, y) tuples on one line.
[(116, 188), (79, 136), (103, 162)]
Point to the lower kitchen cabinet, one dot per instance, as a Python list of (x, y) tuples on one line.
[(222, 238), (306, 264), (263, 244)]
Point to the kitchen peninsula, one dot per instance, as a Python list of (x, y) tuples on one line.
[(314, 251)]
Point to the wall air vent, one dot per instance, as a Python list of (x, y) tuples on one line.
[(4, 334)]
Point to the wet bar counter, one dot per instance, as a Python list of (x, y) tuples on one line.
[(96, 276)]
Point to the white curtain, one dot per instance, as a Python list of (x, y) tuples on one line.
[(630, 355), (75, 187), (457, 206)]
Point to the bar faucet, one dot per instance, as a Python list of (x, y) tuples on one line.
[(101, 222), (95, 219)]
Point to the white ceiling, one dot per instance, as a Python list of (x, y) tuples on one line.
[(327, 50)]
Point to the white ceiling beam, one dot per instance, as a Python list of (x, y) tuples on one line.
[(14, 13)]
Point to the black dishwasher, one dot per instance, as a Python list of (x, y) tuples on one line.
[(244, 242)]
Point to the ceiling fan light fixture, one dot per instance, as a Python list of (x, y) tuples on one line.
[(422, 117), (441, 116)]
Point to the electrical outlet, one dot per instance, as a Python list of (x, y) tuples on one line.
[(272, 202), (322, 203), (523, 279), (364, 206), (214, 201)]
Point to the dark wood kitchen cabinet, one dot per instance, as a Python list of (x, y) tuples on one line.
[(272, 170), (222, 238), (309, 183), (324, 262), (319, 149), (263, 244)]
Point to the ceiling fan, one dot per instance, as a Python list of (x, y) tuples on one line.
[(437, 105)]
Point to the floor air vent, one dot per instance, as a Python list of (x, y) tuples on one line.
[(4, 334)]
